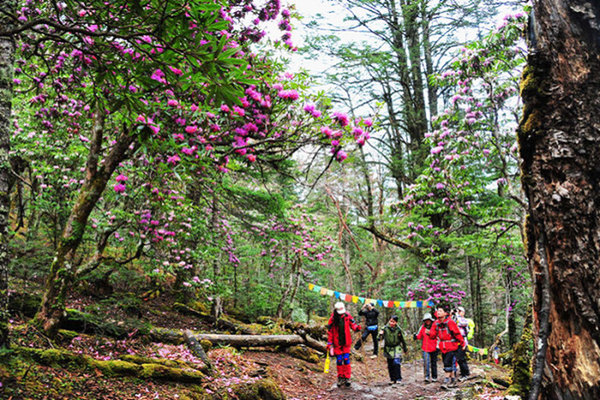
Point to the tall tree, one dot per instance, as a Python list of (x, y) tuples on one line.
[(7, 50), (559, 138)]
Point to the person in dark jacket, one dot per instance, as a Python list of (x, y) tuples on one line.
[(372, 326), (449, 340), (393, 343), (339, 341)]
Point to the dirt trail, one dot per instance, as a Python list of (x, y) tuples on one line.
[(303, 381)]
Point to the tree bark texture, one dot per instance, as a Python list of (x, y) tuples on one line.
[(559, 138), (7, 50)]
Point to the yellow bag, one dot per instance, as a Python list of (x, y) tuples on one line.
[(327, 363)]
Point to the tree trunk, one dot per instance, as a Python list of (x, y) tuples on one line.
[(62, 271), (559, 139), (7, 50)]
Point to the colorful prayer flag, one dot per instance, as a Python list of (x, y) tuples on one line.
[(311, 286), (380, 303), (397, 303), (390, 304), (323, 291), (329, 292), (336, 294), (355, 299), (419, 304), (317, 288)]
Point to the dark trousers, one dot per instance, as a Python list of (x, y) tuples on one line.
[(364, 336), (461, 359), (394, 369), (430, 364), (448, 359)]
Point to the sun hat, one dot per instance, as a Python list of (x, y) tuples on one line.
[(340, 307)]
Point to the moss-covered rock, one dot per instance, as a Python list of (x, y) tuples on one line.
[(304, 353), (206, 345), (264, 389), (162, 372)]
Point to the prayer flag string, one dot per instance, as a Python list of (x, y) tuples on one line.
[(350, 298)]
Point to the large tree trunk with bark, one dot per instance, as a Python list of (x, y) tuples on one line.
[(7, 50), (559, 139)]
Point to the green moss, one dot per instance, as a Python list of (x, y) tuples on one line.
[(521, 361), (68, 335), (304, 353), (118, 367), (264, 389), (200, 306), (206, 345), (162, 372), (147, 360)]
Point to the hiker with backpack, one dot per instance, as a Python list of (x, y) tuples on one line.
[(371, 315), (461, 355), (339, 341), (429, 347), (445, 330), (393, 345)]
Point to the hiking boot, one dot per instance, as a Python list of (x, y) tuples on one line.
[(433, 379), (427, 380), (340, 381), (347, 382), (374, 356), (452, 383), (463, 378)]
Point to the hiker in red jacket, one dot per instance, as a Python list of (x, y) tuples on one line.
[(339, 341), (429, 347), (449, 339)]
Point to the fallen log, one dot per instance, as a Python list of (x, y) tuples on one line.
[(221, 323), (252, 340), (196, 349)]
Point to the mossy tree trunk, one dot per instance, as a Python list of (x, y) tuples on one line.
[(559, 139), (62, 271), (7, 50)]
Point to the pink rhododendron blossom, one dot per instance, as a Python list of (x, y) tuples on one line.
[(176, 71), (437, 149), (122, 178), (191, 129), (119, 188)]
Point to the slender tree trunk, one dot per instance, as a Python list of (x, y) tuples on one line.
[(62, 271), (217, 305), (559, 137), (7, 51)]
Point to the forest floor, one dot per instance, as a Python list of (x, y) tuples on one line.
[(370, 380), (235, 370)]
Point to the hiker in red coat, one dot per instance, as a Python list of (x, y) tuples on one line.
[(449, 339), (429, 347), (339, 341)]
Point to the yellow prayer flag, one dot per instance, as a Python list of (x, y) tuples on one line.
[(355, 299), (311, 286), (397, 303)]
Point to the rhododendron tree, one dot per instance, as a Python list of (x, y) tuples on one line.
[(168, 87)]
